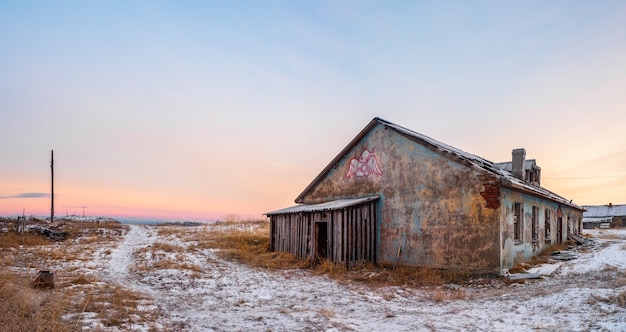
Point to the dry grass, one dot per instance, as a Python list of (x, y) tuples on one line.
[(619, 299), (112, 305), (166, 247), (82, 280), (248, 243), (165, 231), (252, 248), (163, 256), (90, 300), (610, 236), (326, 313), (65, 307), (406, 276), (26, 309), (168, 264), (245, 242), (620, 281), (12, 239), (441, 295), (332, 270), (88, 232)]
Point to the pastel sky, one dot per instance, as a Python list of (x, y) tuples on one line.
[(202, 109)]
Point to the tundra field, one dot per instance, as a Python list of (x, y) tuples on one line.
[(220, 277)]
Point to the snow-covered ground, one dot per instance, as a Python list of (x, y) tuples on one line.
[(185, 287), (585, 294)]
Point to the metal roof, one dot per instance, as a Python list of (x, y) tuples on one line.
[(328, 206), (597, 211), (598, 219)]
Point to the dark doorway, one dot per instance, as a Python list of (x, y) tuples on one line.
[(321, 239), (559, 230)]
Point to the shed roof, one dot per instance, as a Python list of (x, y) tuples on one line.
[(328, 206), (507, 178), (596, 211)]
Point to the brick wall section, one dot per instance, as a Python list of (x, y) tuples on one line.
[(491, 194)]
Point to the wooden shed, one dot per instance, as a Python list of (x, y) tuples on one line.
[(342, 231)]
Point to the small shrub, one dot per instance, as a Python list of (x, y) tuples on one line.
[(326, 313), (83, 280), (438, 295), (332, 270), (619, 282), (166, 247)]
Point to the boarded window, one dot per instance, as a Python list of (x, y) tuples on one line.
[(535, 223), (547, 225), (517, 221)]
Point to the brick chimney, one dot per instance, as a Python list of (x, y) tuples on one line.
[(517, 166)]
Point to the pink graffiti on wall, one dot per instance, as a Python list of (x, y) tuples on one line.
[(365, 165)]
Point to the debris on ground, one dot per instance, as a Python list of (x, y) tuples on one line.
[(45, 279), (563, 255), (51, 234)]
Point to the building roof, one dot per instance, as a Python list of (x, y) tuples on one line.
[(508, 165), (598, 211), (506, 177), (328, 206), (598, 219)]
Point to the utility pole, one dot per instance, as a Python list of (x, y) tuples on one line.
[(52, 187)]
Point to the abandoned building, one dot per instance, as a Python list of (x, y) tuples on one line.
[(604, 216), (394, 196)]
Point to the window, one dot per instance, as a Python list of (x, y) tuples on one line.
[(535, 223), (569, 224), (559, 229), (547, 225), (517, 222)]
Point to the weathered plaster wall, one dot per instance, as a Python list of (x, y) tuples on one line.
[(437, 210), (515, 251)]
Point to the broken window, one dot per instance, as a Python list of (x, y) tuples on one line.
[(547, 225), (517, 221), (535, 223), (569, 222)]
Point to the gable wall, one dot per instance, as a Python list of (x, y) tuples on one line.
[(431, 206)]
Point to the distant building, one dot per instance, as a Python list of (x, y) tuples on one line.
[(604, 216), (394, 196)]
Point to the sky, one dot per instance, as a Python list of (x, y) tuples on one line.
[(215, 109)]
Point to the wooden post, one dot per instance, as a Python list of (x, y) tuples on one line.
[(21, 222), (52, 185), (397, 256)]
